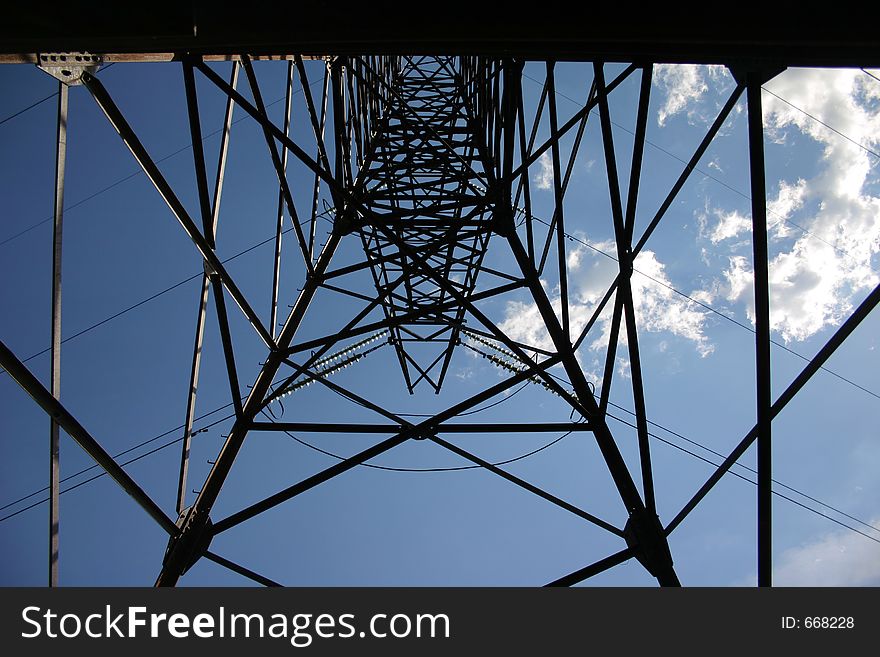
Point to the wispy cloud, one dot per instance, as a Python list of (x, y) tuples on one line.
[(789, 199), (683, 88), (841, 558), (658, 308), (732, 224), (728, 225), (465, 373), (543, 178)]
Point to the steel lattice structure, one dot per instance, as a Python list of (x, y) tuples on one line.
[(426, 160)]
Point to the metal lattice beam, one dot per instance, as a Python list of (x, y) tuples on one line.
[(425, 158)]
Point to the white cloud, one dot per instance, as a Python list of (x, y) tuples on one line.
[(544, 177), (705, 296), (683, 87), (522, 322), (730, 224), (841, 558), (789, 199), (814, 282), (465, 373), (739, 282), (658, 308)]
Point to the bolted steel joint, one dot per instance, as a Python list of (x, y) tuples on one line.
[(68, 67), (645, 537), (189, 545)]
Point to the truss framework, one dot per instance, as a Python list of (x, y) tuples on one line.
[(426, 158)]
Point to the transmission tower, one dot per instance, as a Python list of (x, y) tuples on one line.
[(424, 163)]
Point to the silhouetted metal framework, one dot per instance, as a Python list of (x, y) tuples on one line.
[(426, 158)]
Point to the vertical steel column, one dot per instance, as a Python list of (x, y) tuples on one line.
[(55, 384), (510, 107), (279, 226), (313, 222), (203, 306), (558, 193), (276, 158), (191, 395), (342, 165), (762, 326)]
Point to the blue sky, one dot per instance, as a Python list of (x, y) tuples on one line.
[(126, 380)]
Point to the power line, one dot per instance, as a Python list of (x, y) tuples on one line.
[(742, 465), (821, 122), (470, 467), (151, 297), (457, 468), (571, 237), (136, 173), (423, 470), (29, 107), (302, 442), (724, 456), (777, 493), (88, 198), (688, 297), (746, 467), (714, 310), (40, 102), (130, 461), (708, 175), (446, 469), (122, 453)]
